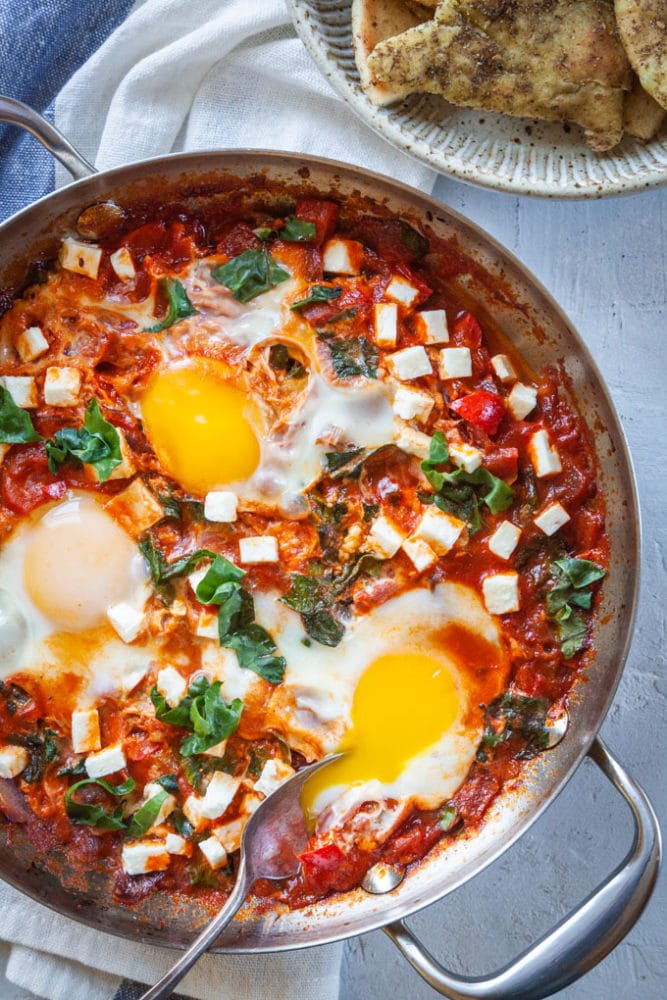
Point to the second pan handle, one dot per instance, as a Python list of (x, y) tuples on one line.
[(17, 113)]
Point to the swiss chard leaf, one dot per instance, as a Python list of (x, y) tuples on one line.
[(221, 575), (145, 816), (318, 293), (314, 598), (297, 231), (178, 304), (163, 573), (323, 627), (438, 454), (97, 443), (256, 650), (16, 425), (353, 356), (413, 241), (92, 814), (203, 712), (250, 274)]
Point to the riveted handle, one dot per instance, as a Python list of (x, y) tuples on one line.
[(17, 113), (579, 941)]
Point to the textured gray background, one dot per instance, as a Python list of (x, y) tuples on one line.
[(605, 263)]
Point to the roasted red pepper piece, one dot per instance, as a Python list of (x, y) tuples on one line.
[(321, 866), (324, 215), (483, 409), (466, 331)]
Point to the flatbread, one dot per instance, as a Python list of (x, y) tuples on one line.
[(373, 21), (643, 28), (558, 60), (642, 115)]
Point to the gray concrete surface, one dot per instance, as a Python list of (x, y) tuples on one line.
[(605, 262)]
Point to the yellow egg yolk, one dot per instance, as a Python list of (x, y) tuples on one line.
[(403, 704), (195, 422)]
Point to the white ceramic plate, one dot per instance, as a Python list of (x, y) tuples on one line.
[(509, 154)]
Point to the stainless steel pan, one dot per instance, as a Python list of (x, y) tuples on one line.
[(543, 334)]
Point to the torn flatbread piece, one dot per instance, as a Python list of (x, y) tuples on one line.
[(559, 60), (642, 115), (372, 22), (643, 28)]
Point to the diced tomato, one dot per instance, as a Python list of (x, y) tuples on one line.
[(321, 865), (425, 291), (483, 409), (393, 240), (26, 480), (239, 238), (324, 214), (146, 239), (466, 331), (504, 463)]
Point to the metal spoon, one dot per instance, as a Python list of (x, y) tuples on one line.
[(275, 834)]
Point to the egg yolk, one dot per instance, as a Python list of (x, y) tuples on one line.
[(78, 563), (195, 422), (402, 705)]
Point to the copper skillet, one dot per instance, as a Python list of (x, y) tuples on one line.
[(533, 321)]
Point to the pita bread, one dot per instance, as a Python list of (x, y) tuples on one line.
[(643, 28), (642, 116), (373, 21)]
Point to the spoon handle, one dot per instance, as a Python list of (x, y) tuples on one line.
[(165, 986)]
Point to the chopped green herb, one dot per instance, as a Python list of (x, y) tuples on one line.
[(353, 356), (15, 696), (258, 758), (42, 748), (334, 460), (250, 274), (145, 816), (90, 814), (203, 712), (516, 715), (573, 577), (297, 231), (263, 232), (178, 304), (281, 360), (163, 573), (169, 782), (181, 824), (319, 293), (448, 817), (171, 506), (16, 425), (413, 241), (76, 770), (438, 454), (581, 572), (97, 443)]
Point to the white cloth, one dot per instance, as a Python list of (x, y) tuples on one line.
[(191, 74)]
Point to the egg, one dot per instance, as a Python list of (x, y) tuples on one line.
[(400, 696)]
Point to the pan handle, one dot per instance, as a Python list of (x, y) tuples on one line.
[(579, 941), (17, 113)]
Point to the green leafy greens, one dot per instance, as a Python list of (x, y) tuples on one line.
[(318, 293), (16, 425), (574, 578), (203, 712), (42, 748), (353, 356), (515, 715), (92, 814), (178, 304), (97, 443), (297, 231), (145, 816), (250, 274)]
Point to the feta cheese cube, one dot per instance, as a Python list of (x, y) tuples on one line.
[(552, 518), (166, 809), (126, 620), (192, 812), (107, 761), (81, 258), (258, 549), (122, 263), (521, 400), (438, 529), (342, 256), (62, 386), (175, 844), (411, 362), (432, 325), (419, 553), (214, 852), (543, 455), (465, 456), (385, 538), (13, 760), (230, 834), (143, 856), (86, 730), (250, 803), (503, 368), (216, 751), (455, 362), (385, 323), (504, 539), (413, 442), (400, 290), (220, 505), (501, 593), (219, 793), (22, 389), (411, 404), (31, 344), (126, 469), (171, 685), (274, 773), (207, 625), (135, 508)]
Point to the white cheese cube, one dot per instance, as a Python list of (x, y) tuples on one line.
[(13, 760), (438, 529), (62, 386), (504, 539), (132, 675), (545, 458), (107, 761), (171, 685), (197, 576), (214, 852), (419, 553), (230, 834), (503, 368), (400, 290), (250, 803), (192, 812), (86, 730), (175, 844), (166, 809), (22, 389), (126, 469), (385, 538), (122, 263), (455, 362), (411, 404), (219, 793), (342, 256), (411, 362), (126, 620), (207, 625), (31, 344), (274, 773), (501, 593), (552, 518), (220, 505), (521, 400), (258, 549), (82, 258), (216, 751), (413, 442), (144, 856), (385, 323), (432, 325), (135, 508), (465, 456)]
